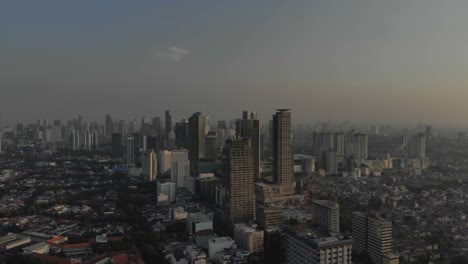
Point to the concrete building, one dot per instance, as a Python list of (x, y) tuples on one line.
[(199, 221), (164, 161), (417, 146), (282, 150), (331, 162), (239, 181), (249, 238), (249, 127), (360, 147), (303, 247), (327, 215), (73, 139), (129, 153), (211, 147), (149, 165), (269, 217), (219, 244), (168, 123), (373, 235), (180, 167), (167, 188), (196, 140)]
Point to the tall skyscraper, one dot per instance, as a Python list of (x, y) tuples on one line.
[(196, 140), (116, 145), (180, 167), (211, 148), (123, 130), (129, 158), (94, 139), (149, 165), (249, 127), (239, 181), (360, 147), (181, 131), (417, 146), (109, 126), (74, 139), (87, 139), (168, 123), (282, 156), (371, 234)]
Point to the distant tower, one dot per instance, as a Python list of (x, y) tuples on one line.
[(109, 126), (211, 148), (129, 153), (282, 156), (417, 146), (149, 165), (116, 145), (239, 181), (74, 139), (196, 140), (87, 139), (123, 130), (181, 131), (249, 127), (428, 133), (360, 147), (94, 139), (168, 123)]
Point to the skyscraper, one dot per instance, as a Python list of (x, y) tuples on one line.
[(211, 148), (196, 140), (417, 146), (360, 147), (327, 215), (282, 156), (109, 126), (129, 158), (181, 131), (116, 145), (74, 139), (180, 167), (239, 181), (249, 127), (94, 139), (87, 139), (371, 234), (149, 165), (168, 123)]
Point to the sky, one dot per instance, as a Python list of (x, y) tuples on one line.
[(366, 61)]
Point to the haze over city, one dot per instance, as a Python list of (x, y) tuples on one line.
[(364, 61)]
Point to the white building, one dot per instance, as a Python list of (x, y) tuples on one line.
[(167, 188), (180, 167), (219, 244)]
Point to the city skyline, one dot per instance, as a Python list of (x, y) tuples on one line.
[(398, 61)]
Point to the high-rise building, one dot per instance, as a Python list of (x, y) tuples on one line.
[(109, 126), (164, 161), (303, 247), (94, 139), (74, 139), (87, 139), (249, 127), (327, 215), (116, 145), (181, 131), (331, 162), (151, 143), (149, 165), (196, 140), (211, 147), (428, 133), (180, 167), (371, 234), (123, 130), (360, 147), (417, 146), (129, 158), (282, 148), (239, 181), (168, 123)]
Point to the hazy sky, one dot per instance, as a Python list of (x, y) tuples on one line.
[(382, 61)]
